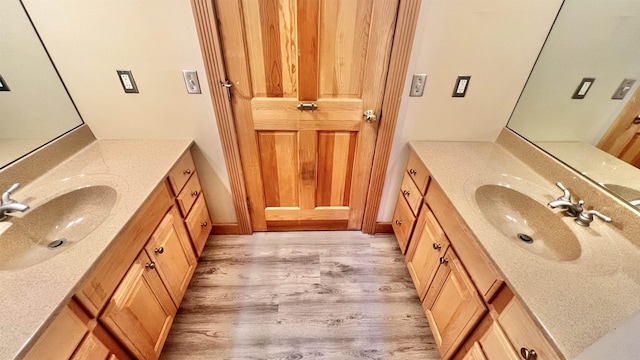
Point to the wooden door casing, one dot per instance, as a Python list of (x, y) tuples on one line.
[(306, 169), (622, 139)]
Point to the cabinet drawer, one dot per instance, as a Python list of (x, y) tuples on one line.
[(427, 245), (478, 265), (61, 337), (452, 305), (199, 224), (411, 193), (403, 221), (475, 353), (523, 332), (418, 172), (189, 194), (181, 172), (496, 345)]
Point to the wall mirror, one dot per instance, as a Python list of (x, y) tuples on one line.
[(582, 100), (35, 107)]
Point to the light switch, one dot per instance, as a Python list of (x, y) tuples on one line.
[(583, 88), (462, 83), (191, 80), (127, 81), (417, 85), (623, 89)]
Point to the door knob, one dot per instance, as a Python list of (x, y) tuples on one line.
[(370, 116)]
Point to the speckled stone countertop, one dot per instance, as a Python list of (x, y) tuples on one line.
[(575, 302), (30, 296)]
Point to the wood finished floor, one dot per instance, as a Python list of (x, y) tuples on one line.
[(301, 295)]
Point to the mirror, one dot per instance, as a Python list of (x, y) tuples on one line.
[(35, 107), (581, 124)]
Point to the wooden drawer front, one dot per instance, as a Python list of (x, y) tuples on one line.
[(496, 345), (99, 344), (523, 332), (199, 224), (96, 289), (61, 337), (478, 265), (402, 223), (181, 172), (411, 193), (418, 172), (189, 194), (452, 305), (170, 249), (425, 250), (475, 353), (141, 311)]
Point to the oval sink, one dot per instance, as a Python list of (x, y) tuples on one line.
[(521, 218), (55, 226)]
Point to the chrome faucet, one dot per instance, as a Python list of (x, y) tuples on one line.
[(9, 205), (583, 217), (635, 202)]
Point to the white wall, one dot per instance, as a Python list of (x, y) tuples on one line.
[(89, 39), (494, 41)]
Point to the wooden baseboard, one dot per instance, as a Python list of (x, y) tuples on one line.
[(304, 225), (383, 228), (225, 229)]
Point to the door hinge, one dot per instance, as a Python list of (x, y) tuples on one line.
[(248, 204), (227, 85)]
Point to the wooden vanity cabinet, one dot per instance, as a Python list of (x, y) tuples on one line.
[(141, 311), (198, 224)]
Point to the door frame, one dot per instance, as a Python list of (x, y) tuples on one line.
[(211, 47)]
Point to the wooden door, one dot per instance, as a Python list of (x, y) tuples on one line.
[(170, 249), (622, 139), (306, 169), (141, 312), (452, 305)]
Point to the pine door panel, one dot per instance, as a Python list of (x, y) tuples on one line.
[(306, 166)]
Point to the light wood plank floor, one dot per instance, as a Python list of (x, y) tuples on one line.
[(301, 295)]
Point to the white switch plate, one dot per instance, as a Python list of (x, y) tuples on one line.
[(417, 84), (583, 88), (127, 81), (462, 84), (191, 81)]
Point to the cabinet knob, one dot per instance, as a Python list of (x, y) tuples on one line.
[(150, 265), (528, 354), (195, 193), (186, 171), (437, 246), (443, 260), (204, 224), (398, 222), (412, 171), (159, 250), (405, 192)]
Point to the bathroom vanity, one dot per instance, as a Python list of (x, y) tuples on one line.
[(113, 290), (488, 294)]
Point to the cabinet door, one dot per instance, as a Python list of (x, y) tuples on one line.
[(425, 250), (170, 249), (452, 305), (199, 224), (99, 344), (496, 345), (403, 221), (141, 311), (475, 353)]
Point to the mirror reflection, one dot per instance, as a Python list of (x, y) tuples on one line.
[(582, 101), (35, 107)]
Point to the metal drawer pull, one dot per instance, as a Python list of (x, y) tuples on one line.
[(405, 192), (412, 171), (528, 354), (398, 222), (204, 224), (159, 250), (195, 193), (151, 265), (443, 260), (437, 246), (186, 171), (307, 106)]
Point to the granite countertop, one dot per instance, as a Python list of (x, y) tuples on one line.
[(31, 296), (575, 302)]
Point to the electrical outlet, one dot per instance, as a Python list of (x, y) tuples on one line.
[(127, 81), (623, 89), (462, 83), (417, 85), (583, 88), (191, 80)]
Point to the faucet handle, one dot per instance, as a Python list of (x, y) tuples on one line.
[(586, 217), (5, 196), (567, 195)]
